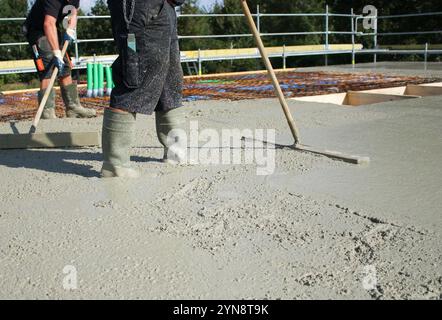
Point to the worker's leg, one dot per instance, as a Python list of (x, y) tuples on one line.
[(117, 138), (43, 64), (69, 93), (65, 81), (71, 100), (169, 114), (44, 84), (49, 109), (171, 129)]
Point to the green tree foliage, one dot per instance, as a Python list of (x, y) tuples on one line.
[(385, 8), (406, 24), (96, 29), (101, 28), (229, 25), (189, 26), (292, 24), (11, 31)]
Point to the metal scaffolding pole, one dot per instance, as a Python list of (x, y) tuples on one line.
[(376, 34), (326, 33), (353, 35)]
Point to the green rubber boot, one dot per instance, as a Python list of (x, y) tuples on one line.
[(71, 101), (174, 146), (49, 109), (117, 138)]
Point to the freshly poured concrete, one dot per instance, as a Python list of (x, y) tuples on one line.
[(316, 228)]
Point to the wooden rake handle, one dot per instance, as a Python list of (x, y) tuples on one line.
[(271, 72), (47, 93)]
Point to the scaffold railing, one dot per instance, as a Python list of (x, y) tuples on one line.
[(355, 20)]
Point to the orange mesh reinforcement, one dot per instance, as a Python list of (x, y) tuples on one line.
[(232, 87)]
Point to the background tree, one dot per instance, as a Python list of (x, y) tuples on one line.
[(235, 25), (11, 31), (101, 28), (194, 26), (96, 29), (394, 7)]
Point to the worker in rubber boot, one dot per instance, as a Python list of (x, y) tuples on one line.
[(43, 30), (148, 79)]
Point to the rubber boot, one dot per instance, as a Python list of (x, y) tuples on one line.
[(117, 138), (174, 146), (49, 109), (71, 101)]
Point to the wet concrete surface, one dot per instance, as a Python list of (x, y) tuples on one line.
[(310, 230)]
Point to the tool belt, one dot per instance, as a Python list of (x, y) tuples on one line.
[(42, 55), (38, 60)]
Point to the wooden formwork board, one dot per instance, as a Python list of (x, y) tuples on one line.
[(49, 140)]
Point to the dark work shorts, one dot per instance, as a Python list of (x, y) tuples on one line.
[(46, 55), (151, 78)]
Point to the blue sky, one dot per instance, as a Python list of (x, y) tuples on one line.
[(86, 4), (208, 2)]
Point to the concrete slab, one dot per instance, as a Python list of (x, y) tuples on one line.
[(308, 230)]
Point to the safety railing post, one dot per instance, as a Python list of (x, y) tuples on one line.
[(375, 37), (353, 54), (200, 64), (77, 57), (258, 19), (284, 58), (426, 57), (326, 33), (76, 52)]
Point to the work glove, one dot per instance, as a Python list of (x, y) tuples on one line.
[(70, 35), (58, 62), (176, 3)]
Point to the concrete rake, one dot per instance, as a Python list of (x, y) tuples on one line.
[(291, 122), (52, 139)]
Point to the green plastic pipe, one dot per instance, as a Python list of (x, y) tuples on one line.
[(100, 80), (109, 82), (90, 79), (95, 91)]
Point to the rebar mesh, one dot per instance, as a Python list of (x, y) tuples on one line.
[(21, 106)]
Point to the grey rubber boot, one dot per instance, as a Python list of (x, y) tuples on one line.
[(175, 146), (71, 101), (117, 138), (49, 109)]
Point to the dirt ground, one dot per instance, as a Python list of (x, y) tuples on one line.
[(315, 228)]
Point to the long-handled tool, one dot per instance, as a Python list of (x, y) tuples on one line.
[(48, 140), (291, 122)]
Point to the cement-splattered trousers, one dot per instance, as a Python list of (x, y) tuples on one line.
[(150, 78)]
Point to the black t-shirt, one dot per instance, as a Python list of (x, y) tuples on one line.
[(55, 8)]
